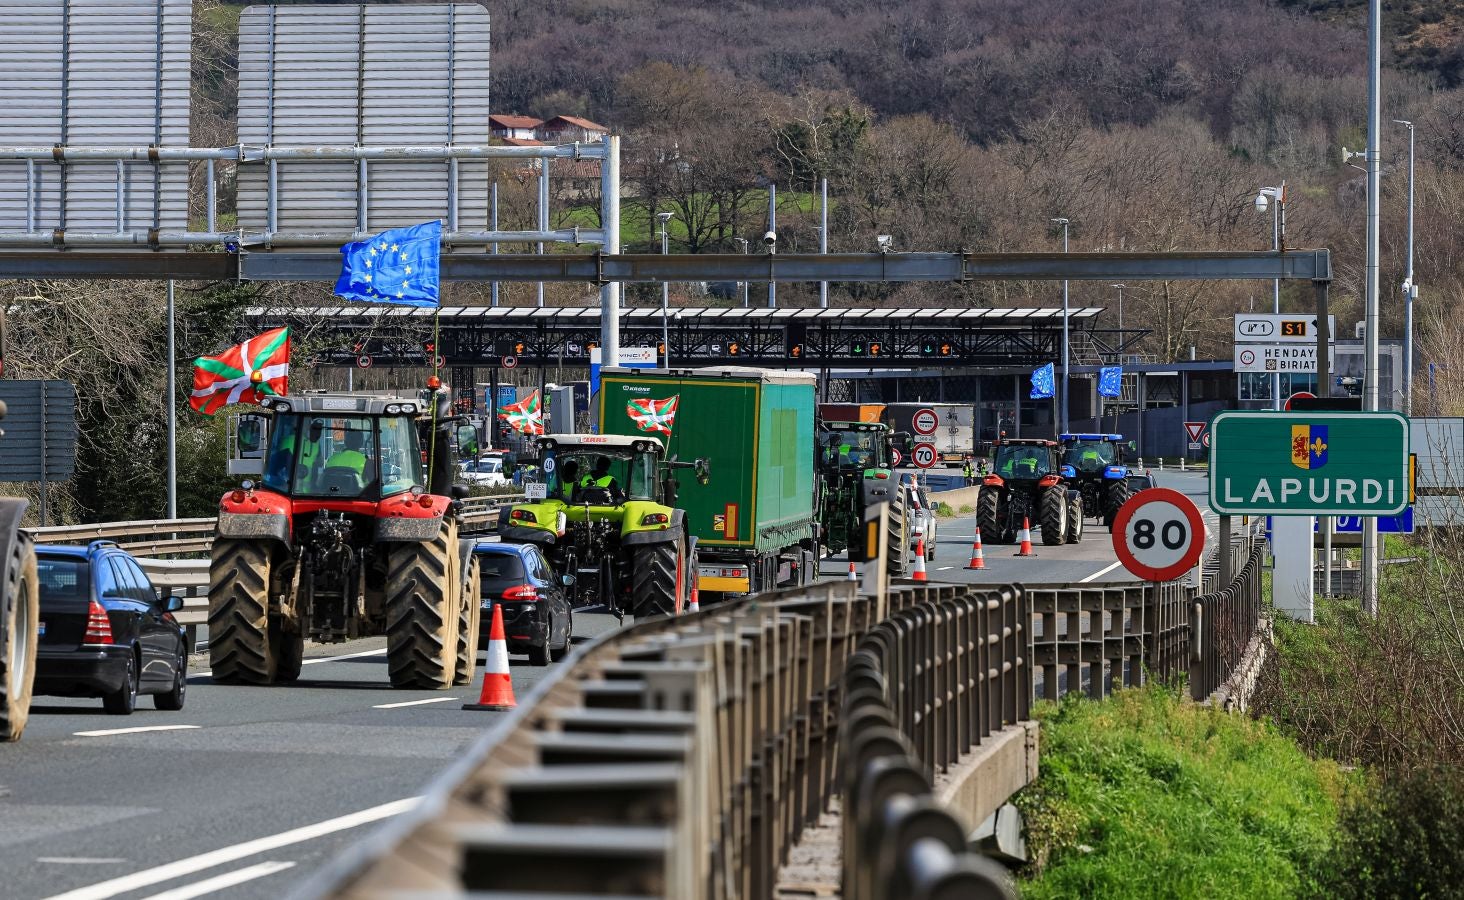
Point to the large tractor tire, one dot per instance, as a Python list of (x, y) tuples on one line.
[(470, 618), (1075, 518), (1115, 495), (897, 559), (21, 609), (988, 506), (289, 651), (240, 649), (1052, 513), (659, 577), (423, 587)]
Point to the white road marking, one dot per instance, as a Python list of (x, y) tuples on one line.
[(322, 659), (1100, 573), (106, 889), (218, 883), (137, 730), (414, 703), (79, 860), (943, 568)]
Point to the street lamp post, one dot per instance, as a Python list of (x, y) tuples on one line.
[(663, 218), (1410, 290), (746, 285), (1278, 238), (1064, 224), (1120, 307)]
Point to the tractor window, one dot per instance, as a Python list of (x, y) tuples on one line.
[(1022, 462), (1089, 456), (336, 457), (281, 458), (571, 474), (401, 458), (858, 449), (642, 477)]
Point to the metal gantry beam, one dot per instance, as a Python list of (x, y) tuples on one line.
[(599, 268)]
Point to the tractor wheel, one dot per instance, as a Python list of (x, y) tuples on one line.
[(289, 648), (1115, 495), (658, 569), (422, 590), (1075, 519), (988, 505), (18, 637), (1052, 513), (470, 617), (897, 559), (239, 646)]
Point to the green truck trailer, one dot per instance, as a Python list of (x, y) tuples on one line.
[(756, 518)]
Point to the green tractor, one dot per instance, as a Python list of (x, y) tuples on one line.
[(605, 515), (855, 470)]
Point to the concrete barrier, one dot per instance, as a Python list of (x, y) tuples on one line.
[(958, 498)]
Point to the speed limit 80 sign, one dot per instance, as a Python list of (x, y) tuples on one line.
[(1158, 534)]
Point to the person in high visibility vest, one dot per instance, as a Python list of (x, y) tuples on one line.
[(966, 471), (569, 480), (601, 477)]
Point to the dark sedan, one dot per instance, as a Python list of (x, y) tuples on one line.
[(105, 631), (537, 618)]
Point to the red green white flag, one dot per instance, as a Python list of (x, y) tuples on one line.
[(525, 416), (243, 373), (653, 415)]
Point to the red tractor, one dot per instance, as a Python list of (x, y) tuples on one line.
[(351, 532)]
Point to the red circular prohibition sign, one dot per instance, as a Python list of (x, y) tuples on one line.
[(1187, 556)]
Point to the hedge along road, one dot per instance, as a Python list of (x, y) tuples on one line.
[(244, 793)]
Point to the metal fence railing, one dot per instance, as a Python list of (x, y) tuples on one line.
[(926, 686)]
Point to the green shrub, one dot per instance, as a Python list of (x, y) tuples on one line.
[(1147, 795), (1403, 839)]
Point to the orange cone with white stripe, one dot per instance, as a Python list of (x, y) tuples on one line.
[(1026, 548), (695, 604), (853, 576), (978, 560), (919, 573), (497, 682)]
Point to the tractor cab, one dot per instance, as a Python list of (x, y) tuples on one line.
[(1022, 460), (1090, 453), (334, 455), (601, 470), (854, 445)]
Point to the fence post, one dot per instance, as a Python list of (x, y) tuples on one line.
[(1227, 562)]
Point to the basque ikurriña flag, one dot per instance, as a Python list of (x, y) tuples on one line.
[(525, 416), (653, 415), (243, 373)]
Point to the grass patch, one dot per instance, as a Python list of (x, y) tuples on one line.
[(943, 509), (1147, 795)]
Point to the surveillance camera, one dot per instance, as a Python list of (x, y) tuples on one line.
[(664, 217), (1262, 202), (770, 238), (885, 241)]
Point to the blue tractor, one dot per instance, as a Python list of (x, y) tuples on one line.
[(1094, 465)]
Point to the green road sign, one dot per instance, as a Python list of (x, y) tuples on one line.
[(1299, 464)]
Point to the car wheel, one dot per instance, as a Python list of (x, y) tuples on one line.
[(563, 651), (172, 701), (539, 656), (123, 701)]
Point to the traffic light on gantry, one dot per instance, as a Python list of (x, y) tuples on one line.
[(874, 348), (734, 348)]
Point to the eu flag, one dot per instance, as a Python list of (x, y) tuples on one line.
[(1110, 380), (1042, 379), (399, 265)]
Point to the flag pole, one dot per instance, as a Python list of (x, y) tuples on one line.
[(172, 414)]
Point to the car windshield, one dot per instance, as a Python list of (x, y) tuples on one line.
[(338, 456), (63, 580), (1088, 456), (861, 449), (568, 471), (1022, 461), (501, 570)]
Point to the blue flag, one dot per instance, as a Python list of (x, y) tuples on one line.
[(1109, 381), (399, 265), (1042, 382)]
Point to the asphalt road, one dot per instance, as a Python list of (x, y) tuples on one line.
[(254, 785), (247, 791)]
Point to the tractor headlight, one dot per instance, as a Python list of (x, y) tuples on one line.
[(393, 409), (281, 406)]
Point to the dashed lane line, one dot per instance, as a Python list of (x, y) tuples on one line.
[(1100, 573), (108, 732), (220, 882), (104, 890), (380, 651), (414, 702)]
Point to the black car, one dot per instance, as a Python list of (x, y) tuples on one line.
[(537, 618), (1138, 482), (105, 631)]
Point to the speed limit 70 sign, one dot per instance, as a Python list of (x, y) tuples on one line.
[(923, 455), (1158, 534)]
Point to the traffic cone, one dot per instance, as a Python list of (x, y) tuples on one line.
[(919, 573), (497, 682), (1026, 548), (853, 576), (978, 561), (695, 604)]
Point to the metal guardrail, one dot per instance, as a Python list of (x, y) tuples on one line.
[(925, 687)]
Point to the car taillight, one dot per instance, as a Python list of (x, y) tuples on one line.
[(881, 475), (522, 592), (98, 625)]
